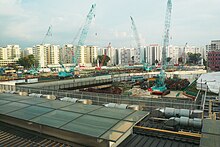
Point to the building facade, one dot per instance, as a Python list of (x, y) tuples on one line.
[(153, 53), (46, 54), (213, 55), (9, 54), (214, 60)]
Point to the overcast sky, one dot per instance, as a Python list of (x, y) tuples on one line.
[(25, 22)]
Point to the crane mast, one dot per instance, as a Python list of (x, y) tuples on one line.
[(137, 39), (166, 33), (84, 33)]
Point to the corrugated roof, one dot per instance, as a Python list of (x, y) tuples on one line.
[(210, 133), (14, 136), (136, 140)]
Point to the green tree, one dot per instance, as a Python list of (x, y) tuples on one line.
[(100, 58), (27, 61), (180, 60), (156, 61), (193, 58)]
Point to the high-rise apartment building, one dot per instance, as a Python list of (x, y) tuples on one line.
[(153, 53), (9, 54), (90, 54), (27, 51), (53, 53), (213, 53), (46, 54), (40, 54), (174, 53), (125, 54)]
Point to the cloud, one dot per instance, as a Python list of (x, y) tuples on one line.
[(26, 21)]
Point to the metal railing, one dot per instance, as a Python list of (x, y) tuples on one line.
[(101, 98)]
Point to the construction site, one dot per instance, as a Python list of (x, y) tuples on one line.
[(126, 106)]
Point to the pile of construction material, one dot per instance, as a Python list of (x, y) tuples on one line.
[(176, 83), (138, 92)]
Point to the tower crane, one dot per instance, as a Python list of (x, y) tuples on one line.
[(49, 33), (34, 70), (137, 39), (84, 33), (160, 87), (82, 38), (166, 33), (103, 59)]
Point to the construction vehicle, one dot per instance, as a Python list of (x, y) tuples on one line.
[(81, 42), (65, 74), (99, 67), (33, 71), (146, 67), (160, 86)]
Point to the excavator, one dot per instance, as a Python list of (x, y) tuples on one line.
[(64, 73)]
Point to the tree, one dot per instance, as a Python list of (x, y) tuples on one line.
[(180, 60), (100, 57), (156, 61), (27, 61), (168, 59), (193, 58)]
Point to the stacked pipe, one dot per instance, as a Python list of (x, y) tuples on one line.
[(183, 117)]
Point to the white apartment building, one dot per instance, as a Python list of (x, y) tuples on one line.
[(28, 51), (86, 54), (174, 52), (125, 56), (53, 53), (46, 54), (152, 53), (9, 54), (40, 55), (90, 55)]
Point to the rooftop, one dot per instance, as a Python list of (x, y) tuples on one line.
[(44, 115)]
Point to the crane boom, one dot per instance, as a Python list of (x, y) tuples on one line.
[(49, 33), (184, 54), (84, 33), (103, 60), (137, 39), (166, 33)]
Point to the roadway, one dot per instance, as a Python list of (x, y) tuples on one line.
[(63, 82)]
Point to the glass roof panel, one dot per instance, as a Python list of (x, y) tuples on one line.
[(123, 126), (81, 108), (111, 135), (9, 107), (13, 97), (56, 118), (112, 112), (34, 101), (136, 116), (55, 104), (90, 125), (84, 129), (3, 102), (30, 112)]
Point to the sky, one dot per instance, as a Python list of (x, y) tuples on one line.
[(25, 22)]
